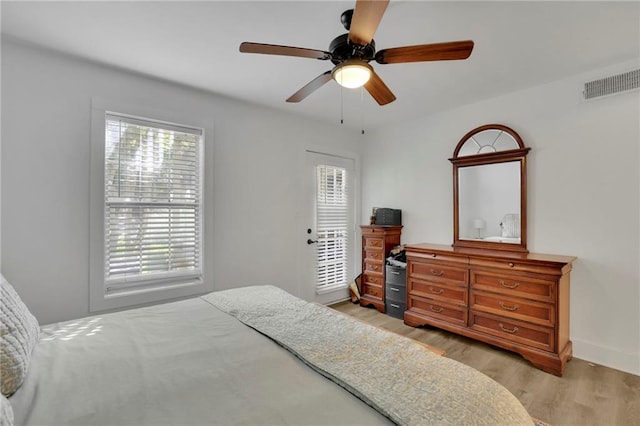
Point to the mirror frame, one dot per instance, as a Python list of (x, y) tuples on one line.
[(519, 155)]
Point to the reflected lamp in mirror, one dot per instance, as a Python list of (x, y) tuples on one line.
[(490, 190), (478, 225)]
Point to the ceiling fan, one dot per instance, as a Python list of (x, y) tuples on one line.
[(352, 52)]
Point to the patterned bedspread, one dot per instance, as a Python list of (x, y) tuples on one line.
[(395, 375)]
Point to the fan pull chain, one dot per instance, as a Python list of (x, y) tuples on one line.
[(341, 106), (362, 110)]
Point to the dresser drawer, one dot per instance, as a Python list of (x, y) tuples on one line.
[(515, 265), (453, 314), (395, 292), (436, 272), (375, 279), (373, 255), (451, 294), (396, 309), (515, 331), (373, 243), (373, 266), (372, 290), (460, 261), (514, 285), (516, 308), (396, 275)]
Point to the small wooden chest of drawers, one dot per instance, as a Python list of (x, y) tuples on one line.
[(517, 301), (377, 241)]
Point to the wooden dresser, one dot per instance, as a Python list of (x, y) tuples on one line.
[(377, 241), (517, 301)]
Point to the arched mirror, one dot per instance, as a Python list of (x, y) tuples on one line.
[(490, 190)]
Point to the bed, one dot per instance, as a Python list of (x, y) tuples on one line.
[(246, 356)]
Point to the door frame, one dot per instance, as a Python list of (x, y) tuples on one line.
[(306, 289)]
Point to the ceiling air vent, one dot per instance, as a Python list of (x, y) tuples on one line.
[(614, 84)]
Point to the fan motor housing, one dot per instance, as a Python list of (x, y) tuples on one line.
[(342, 49)]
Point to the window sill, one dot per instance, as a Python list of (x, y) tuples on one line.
[(151, 293)]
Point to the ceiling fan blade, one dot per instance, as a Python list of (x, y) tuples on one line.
[(426, 52), (378, 90), (274, 49), (366, 18), (310, 87)]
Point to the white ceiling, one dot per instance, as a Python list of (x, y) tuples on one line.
[(517, 44)]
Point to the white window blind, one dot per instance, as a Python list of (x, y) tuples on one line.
[(332, 212), (153, 203)]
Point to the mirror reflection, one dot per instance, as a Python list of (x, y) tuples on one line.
[(489, 202)]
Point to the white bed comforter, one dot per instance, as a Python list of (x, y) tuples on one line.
[(183, 363), (396, 375), (190, 363)]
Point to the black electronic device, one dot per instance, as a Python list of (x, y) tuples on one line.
[(386, 216)]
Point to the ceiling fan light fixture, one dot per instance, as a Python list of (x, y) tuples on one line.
[(352, 73)]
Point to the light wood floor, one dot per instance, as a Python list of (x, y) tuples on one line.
[(587, 394)]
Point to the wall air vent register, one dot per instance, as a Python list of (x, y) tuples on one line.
[(610, 85)]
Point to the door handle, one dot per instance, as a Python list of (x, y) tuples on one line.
[(310, 241)]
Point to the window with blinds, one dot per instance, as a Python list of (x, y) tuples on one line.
[(332, 224), (153, 203)]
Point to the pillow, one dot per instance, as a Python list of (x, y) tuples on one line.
[(6, 412), (511, 225), (19, 334)]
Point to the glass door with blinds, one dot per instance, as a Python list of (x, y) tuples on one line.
[(331, 231)]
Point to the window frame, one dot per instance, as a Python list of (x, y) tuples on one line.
[(150, 291)]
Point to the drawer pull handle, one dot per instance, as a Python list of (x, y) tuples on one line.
[(508, 330), (394, 289), (436, 291), (436, 309), (433, 255), (395, 273), (394, 306), (437, 273), (509, 308), (504, 284), (511, 264)]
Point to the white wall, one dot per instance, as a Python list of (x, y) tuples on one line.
[(583, 195), (46, 106)]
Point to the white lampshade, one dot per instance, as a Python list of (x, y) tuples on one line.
[(478, 225), (352, 73)]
